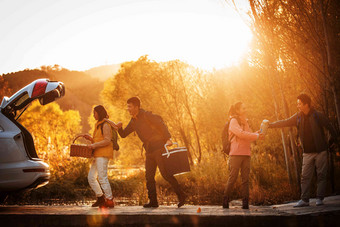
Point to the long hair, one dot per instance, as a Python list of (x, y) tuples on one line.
[(101, 111), (233, 111)]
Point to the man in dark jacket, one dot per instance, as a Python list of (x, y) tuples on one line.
[(311, 124), (154, 134)]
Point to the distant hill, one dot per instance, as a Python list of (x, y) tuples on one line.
[(103, 72), (82, 90)]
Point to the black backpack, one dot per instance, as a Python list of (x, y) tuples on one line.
[(114, 138), (154, 127), (226, 141)]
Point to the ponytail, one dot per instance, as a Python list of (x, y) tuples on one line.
[(231, 111)]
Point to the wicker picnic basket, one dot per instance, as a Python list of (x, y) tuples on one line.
[(80, 150)]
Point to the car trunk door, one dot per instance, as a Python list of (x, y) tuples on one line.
[(43, 89)]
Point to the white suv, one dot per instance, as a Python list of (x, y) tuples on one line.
[(20, 167)]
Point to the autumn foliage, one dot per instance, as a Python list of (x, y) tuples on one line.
[(288, 55)]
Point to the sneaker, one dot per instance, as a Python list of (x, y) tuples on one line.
[(100, 201), (302, 203), (109, 203), (319, 202)]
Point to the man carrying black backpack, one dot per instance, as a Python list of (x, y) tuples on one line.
[(310, 125), (154, 134)]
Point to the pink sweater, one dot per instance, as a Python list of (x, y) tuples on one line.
[(241, 137)]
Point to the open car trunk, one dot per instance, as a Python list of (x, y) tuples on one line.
[(28, 141), (45, 91)]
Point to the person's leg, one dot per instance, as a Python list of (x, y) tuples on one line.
[(102, 164), (169, 178), (321, 163), (234, 166), (150, 171), (245, 170), (92, 179), (308, 166)]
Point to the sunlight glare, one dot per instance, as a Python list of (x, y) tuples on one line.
[(204, 33)]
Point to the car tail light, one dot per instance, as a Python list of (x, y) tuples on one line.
[(33, 170), (39, 88)]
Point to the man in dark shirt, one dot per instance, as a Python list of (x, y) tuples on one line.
[(311, 124), (308, 142), (154, 134)]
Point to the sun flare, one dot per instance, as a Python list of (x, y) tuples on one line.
[(206, 34)]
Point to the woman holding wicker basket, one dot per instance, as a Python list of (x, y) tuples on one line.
[(102, 147)]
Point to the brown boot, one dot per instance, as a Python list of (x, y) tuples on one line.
[(181, 199), (109, 203), (245, 203), (225, 202)]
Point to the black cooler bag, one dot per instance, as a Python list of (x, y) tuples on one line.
[(176, 160)]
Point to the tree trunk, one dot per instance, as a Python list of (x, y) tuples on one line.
[(333, 74), (197, 137), (332, 67), (187, 145), (286, 156), (282, 134), (271, 64), (337, 103), (292, 143), (187, 107), (295, 158)]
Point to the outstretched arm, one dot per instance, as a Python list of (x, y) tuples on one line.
[(285, 123), (113, 125), (126, 131), (236, 129)]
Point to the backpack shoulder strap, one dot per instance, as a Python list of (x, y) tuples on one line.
[(298, 120), (298, 123), (317, 118), (102, 126)]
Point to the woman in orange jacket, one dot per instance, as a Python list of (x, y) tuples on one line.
[(103, 151)]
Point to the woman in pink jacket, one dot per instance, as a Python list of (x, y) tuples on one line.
[(240, 136)]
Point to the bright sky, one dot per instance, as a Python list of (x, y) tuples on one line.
[(80, 34)]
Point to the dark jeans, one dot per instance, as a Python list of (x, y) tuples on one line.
[(154, 159)]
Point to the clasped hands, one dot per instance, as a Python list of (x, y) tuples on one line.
[(261, 135), (119, 125)]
